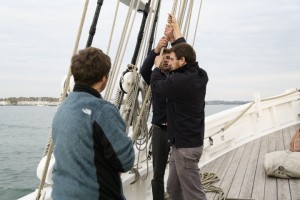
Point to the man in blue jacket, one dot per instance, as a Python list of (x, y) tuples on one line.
[(91, 147), (185, 90)]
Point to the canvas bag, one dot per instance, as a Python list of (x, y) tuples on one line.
[(295, 142), (283, 164)]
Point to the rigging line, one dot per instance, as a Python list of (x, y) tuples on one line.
[(144, 113), (49, 148), (148, 41), (147, 27), (188, 21), (67, 81), (126, 43), (173, 11), (111, 80), (119, 61), (113, 27), (182, 12), (200, 7), (145, 102), (113, 69)]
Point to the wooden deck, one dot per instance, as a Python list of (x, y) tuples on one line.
[(242, 174)]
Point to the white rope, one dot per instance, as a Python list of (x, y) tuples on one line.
[(49, 147), (246, 109), (123, 52), (181, 13), (128, 107), (188, 20), (173, 11), (113, 27), (147, 33), (197, 23), (111, 80), (127, 39)]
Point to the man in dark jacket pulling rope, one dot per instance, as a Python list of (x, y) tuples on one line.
[(185, 90)]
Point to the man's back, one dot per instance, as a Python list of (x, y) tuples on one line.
[(90, 150)]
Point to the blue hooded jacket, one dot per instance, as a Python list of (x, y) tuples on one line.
[(91, 148)]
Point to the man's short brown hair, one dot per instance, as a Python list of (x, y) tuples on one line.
[(166, 50), (184, 50), (90, 65)]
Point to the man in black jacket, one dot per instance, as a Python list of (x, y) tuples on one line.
[(185, 90), (160, 146)]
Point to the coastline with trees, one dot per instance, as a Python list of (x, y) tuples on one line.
[(51, 101)]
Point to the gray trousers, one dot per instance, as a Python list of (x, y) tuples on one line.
[(184, 181), (160, 153)]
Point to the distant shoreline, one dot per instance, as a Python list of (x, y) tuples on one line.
[(50, 101)]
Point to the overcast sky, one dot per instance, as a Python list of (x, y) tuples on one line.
[(245, 46)]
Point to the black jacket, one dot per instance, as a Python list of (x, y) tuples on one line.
[(185, 90), (159, 104)]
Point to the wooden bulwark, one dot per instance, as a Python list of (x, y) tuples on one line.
[(242, 174)]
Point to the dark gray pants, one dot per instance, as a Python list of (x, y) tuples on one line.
[(184, 179), (160, 152)]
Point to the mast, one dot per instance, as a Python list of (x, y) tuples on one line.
[(141, 32), (94, 23)]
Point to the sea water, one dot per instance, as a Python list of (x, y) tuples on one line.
[(24, 134)]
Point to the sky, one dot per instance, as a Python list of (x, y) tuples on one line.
[(245, 46)]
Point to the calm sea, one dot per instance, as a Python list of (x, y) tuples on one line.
[(24, 133)]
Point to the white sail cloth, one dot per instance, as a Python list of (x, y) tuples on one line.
[(283, 164)]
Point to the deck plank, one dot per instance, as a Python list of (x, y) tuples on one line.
[(229, 176), (223, 169), (260, 175), (283, 187), (214, 169), (207, 167), (236, 185), (247, 185), (271, 186), (219, 169), (242, 174)]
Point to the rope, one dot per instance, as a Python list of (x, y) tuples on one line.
[(128, 36), (108, 92), (113, 27), (197, 23), (145, 103), (207, 179), (118, 60), (188, 21), (49, 147), (242, 113), (174, 7)]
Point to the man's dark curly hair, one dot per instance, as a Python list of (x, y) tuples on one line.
[(90, 65), (184, 50)]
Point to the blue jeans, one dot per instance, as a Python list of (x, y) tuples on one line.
[(160, 153), (184, 179)]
